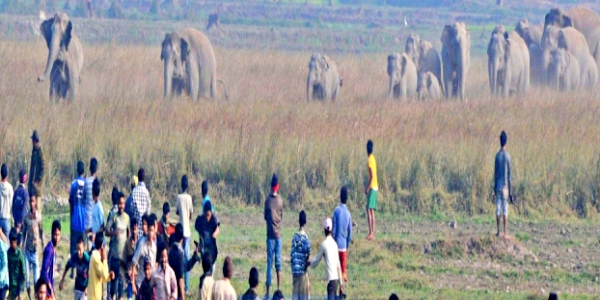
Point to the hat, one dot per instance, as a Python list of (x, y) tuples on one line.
[(134, 180), (35, 136), (327, 224), (274, 180)]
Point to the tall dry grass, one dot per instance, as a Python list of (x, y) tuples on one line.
[(433, 157)]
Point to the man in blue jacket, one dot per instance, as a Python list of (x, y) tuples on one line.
[(342, 230)]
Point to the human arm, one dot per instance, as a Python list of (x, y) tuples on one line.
[(349, 238), (181, 288), (368, 187), (100, 266), (508, 174), (3, 237), (40, 228), (334, 224), (217, 226), (62, 279), (46, 267), (315, 262)]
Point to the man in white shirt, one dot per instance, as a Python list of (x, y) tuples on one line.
[(6, 199), (329, 251), (185, 209)]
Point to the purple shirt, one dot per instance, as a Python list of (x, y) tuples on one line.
[(47, 271)]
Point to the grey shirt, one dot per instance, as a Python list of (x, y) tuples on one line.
[(502, 171)]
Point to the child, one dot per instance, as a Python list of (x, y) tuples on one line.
[(163, 225), (128, 253), (32, 227), (80, 261), (16, 266), (97, 211), (146, 291)]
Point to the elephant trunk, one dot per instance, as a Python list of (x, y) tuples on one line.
[(492, 75), (53, 50), (462, 72), (310, 85), (546, 64), (168, 76), (391, 89)]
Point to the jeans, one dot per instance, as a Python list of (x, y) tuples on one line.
[(5, 225), (116, 285), (3, 292), (273, 250), (186, 252), (32, 268), (332, 288)]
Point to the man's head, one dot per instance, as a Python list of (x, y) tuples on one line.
[(207, 263), (553, 296), (35, 139), (163, 257), (148, 270), (23, 176), (327, 226), (93, 166), (99, 242), (184, 183), (369, 147), (166, 210), (275, 183), (134, 182), (151, 228), (204, 188), (121, 202), (33, 201), (227, 268), (344, 195), (145, 224), (41, 288), (253, 278), (278, 295), (207, 209), (80, 168), (302, 218), (80, 247), (96, 189), (178, 236), (503, 139), (142, 175), (14, 238), (394, 297), (55, 232), (4, 171), (134, 227)]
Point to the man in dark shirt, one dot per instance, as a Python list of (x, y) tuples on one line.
[(207, 226), (36, 169), (502, 184), (273, 215), (178, 262), (20, 201), (251, 293)]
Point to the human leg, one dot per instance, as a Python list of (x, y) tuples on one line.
[(278, 261), (373, 205), (3, 292), (186, 251), (332, 287), (5, 225), (270, 254), (498, 212), (112, 286), (505, 208)]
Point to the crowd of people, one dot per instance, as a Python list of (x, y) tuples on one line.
[(150, 258)]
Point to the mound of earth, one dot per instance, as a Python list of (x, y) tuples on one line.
[(486, 246)]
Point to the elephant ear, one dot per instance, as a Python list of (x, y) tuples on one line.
[(429, 81), (403, 63), (163, 53), (566, 21), (67, 36), (185, 50), (46, 30), (508, 42), (445, 39), (326, 63)]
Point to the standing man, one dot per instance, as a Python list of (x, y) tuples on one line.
[(371, 190), (6, 200), (97, 211), (141, 204), (342, 230), (20, 202), (118, 229), (49, 260), (178, 261), (329, 251), (185, 209), (273, 215), (89, 198), (129, 202), (502, 184), (36, 170), (98, 269), (164, 277), (78, 208), (34, 239), (207, 226), (300, 255)]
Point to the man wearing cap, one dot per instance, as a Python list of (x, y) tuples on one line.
[(502, 184), (273, 214), (20, 201), (6, 200), (329, 251), (78, 208), (36, 169), (300, 255), (342, 230)]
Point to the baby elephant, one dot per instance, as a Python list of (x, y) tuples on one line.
[(428, 86), (563, 71)]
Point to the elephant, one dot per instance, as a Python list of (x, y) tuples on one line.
[(508, 63), (532, 35), (423, 55), (584, 20), (456, 57), (190, 65), (403, 76), (65, 57), (563, 71), (324, 81), (573, 41), (428, 86)]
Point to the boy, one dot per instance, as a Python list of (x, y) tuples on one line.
[(34, 239), (163, 224), (16, 267), (146, 291), (20, 202), (118, 229), (80, 261), (49, 259), (97, 211), (128, 254)]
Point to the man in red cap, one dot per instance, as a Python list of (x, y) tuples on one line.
[(273, 215)]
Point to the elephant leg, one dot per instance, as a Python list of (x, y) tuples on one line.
[(336, 90), (72, 85), (194, 81)]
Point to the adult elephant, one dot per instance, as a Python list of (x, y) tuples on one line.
[(532, 35), (573, 41), (508, 63), (584, 20), (403, 76), (563, 71), (190, 65), (324, 81), (456, 57), (424, 56), (65, 57)]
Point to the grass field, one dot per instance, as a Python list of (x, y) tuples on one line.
[(435, 163)]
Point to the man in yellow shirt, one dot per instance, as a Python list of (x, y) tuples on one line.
[(98, 269), (371, 190)]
